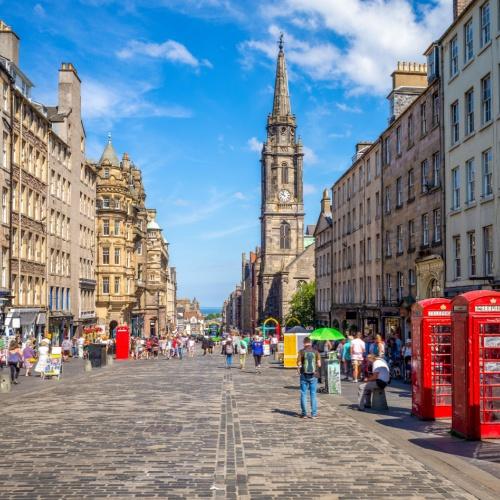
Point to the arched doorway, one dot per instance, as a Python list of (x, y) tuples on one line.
[(112, 325), (433, 289)]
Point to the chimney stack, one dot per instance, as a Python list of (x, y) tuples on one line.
[(325, 203), (9, 44), (459, 6)]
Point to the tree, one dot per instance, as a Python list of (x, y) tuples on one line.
[(302, 304), (212, 316)]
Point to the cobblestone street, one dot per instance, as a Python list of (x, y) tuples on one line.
[(191, 429)]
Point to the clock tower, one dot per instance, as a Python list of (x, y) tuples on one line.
[(282, 206)]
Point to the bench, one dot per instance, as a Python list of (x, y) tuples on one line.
[(379, 401)]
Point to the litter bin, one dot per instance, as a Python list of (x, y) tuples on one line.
[(333, 374), (97, 355)]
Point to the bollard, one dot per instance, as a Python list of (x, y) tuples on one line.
[(5, 385), (87, 365)]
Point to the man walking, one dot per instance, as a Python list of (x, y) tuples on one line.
[(308, 364), (229, 351), (378, 379), (357, 353)]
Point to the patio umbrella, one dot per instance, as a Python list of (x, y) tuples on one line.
[(326, 334), (296, 329)]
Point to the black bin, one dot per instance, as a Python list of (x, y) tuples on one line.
[(97, 355)]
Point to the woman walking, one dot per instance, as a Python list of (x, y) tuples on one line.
[(28, 358), (15, 361)]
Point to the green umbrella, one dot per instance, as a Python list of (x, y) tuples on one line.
[(326, 334)]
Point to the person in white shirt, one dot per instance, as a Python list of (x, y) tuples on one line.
[(358, 348), (377, 380)]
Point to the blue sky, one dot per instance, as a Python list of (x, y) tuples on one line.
[(185, 87)]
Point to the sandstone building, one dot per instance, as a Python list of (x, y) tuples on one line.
[(284, 261)]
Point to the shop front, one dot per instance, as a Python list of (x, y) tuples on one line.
[(60, 326), (26, 322), (137, 325), (391, 322)]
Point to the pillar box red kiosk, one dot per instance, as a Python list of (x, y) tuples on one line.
[(431, 359), (122, 342), (476, 364)]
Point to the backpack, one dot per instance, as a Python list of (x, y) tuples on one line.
[(309, 365), (229, 348)]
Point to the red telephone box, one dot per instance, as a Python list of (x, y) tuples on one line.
[(122, 342), (431, 381), (476, 364)]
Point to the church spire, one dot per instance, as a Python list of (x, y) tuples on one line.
[(281, 105)]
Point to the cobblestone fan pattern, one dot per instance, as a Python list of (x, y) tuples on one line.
[(191, 429)]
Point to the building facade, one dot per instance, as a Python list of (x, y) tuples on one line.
[(323, 262), (469, 63)]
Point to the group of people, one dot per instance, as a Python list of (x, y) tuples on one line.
[(168, 346), (354, 351), (240, 345)]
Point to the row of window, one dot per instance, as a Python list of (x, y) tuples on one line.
[(28, 201), (59, 263), (32, 245), (469, 40), (87, 176), (348, 292), (60, 187), (486, 109), (117, 256), (59, 298), (59, 225), (323, 299), (87, 205), (473, 269), (87, 269), (471, 174), (30, 159), (86, 238), (29, 290), (117, 283), (323, 264)]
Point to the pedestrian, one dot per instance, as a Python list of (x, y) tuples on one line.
[(66, 347), (378, 379), (407, 361), (346, 357), (242, 352), (257, 351), (28, 357), (357, 353), (205, 344), (191, 346), (308, 365), (81, 343), (43, 357), (229, 351), (15, 361), (155, 344)]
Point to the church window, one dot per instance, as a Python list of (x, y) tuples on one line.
[(284, 173), (285, 236)]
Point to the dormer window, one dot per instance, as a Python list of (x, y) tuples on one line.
[(106, 173)]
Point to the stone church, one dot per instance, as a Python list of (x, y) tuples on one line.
[(286, 256)]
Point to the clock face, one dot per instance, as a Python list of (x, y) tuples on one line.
[(285, 196)]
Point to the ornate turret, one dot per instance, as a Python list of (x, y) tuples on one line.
[(109, 154)]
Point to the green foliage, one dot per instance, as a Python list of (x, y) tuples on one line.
[(302, 304), (212, 316)]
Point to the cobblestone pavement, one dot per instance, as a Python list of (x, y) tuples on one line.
[(191, 429)]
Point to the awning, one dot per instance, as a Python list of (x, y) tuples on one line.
[(27, 317), (41, 319)]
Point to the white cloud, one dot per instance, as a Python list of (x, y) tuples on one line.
[(180, 202), (310, 156), (170, 50), (370, 37), (309, 189), (103, 101), (212, 235), (240, 196), (347, 109), (39, 10), (340, 135), (254, 144)]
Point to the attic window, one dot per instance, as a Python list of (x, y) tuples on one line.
[(106, 173)]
